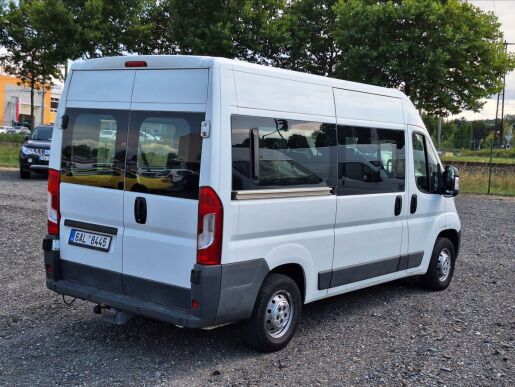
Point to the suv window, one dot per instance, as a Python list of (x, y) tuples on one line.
[(89, 155), (426, 165), (370, 160), (291, 153), (42, 133), (164, 152)]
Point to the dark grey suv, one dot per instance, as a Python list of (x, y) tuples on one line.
[(35, 152)]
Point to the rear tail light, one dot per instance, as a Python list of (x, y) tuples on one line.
[(53, 202), (209, 228)]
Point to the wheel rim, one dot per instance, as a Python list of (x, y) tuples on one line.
[(443, 267), (279, 314)]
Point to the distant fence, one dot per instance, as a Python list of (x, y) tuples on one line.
[(479, 167)]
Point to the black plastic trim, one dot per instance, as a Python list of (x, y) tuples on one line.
[(130, 304), (91, 276), (324, 279), (91, 226), (157, 292), (343, 276)]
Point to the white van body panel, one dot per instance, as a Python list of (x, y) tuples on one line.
[(101, 86), (357, 105), (179, 86), (93, 205), (160, 250), (278, 231), (270, 93)]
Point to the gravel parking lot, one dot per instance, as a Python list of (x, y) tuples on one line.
[(391, 334)]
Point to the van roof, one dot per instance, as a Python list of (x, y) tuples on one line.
[(190, 61)]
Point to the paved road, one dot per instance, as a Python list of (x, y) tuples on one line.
[(390, 334)]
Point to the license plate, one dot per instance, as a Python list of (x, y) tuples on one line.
[(89, 240), (44, 158)]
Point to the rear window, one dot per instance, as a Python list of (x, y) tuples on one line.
[(94, 148), (164, 152), (152, 152)]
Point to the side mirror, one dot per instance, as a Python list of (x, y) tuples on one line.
[(451, 181), (26, 137)]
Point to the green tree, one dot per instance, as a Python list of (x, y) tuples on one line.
[(447, 56), (243, 29), (105, 28), (30, 55), (307, 42)]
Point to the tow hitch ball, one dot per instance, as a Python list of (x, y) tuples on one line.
[(113, 315)]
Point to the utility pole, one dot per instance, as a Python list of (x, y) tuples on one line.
[(439, 131), (506, 44)]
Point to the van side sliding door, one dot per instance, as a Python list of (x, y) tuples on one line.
[(371, 205)]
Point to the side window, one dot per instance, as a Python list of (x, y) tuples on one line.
[(290, 153), (164, 152), (370, 160), (93, 148), (425, 165)]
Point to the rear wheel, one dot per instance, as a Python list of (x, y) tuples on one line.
[(24, 174), (441, 267), (275, 316)]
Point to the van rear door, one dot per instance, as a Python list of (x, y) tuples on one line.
[(162, 184), (92, 177)]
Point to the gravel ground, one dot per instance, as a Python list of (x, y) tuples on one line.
[(394, 334)]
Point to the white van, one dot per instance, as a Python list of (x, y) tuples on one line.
[(228, 191)]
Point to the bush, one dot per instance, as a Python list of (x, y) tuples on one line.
[(12, 138)]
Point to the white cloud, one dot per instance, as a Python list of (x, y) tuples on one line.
[(505, 11)]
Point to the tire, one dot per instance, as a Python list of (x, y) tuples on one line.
[(441, 268), (278, 297), (24, 174)]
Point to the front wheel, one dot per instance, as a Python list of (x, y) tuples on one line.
[(441, 267), (275, 316), (24, 174)]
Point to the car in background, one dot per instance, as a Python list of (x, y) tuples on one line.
[(21, 129), (35, 152), (6, 129)]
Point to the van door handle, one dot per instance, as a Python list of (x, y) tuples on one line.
[(140, 210), (398, 205), (413, 204)]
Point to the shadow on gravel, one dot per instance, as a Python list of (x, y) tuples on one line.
[(159, 342)]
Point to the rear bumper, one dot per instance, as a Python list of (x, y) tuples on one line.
[(225, 293)]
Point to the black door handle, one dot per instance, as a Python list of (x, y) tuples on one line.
[(413, 204), (398, 205), (140, 210)]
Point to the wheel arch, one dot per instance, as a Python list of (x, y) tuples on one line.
[(296, 272), (454, 236)]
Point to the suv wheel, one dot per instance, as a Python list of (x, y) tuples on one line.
[(24, 174), (275, 315), (441, 267)]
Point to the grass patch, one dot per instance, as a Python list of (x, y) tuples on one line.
[(12, 138), (475, 182), (9, 154), (499, 156), (477, 159)]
